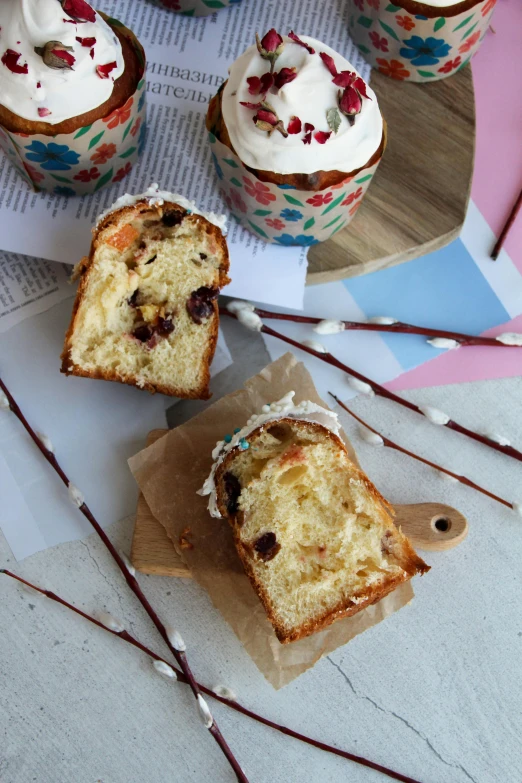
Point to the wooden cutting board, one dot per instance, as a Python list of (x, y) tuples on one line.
[(430, 526), (419, 196)]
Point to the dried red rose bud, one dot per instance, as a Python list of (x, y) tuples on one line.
[(10, 60), (42, 112), (267, 116), (79, 10), (267, 120), (260, 86), (56, 55), (329, 62), (284, 76), (87, 42), (103, 71), (294, 126), (322, 136), (270, 43), (270, 46), (295, 38), (350, 102)]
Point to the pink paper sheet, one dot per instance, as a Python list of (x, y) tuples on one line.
[(497, 74)]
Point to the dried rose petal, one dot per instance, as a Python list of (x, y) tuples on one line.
[(201, 303), (261, 85), (284, 76), (254, 83), (345, 78), (43, 112), (87, 42), (267, 546), (38, 85), (10, 60), (297, 40), (249, 105), (307, 138), (329, 62), (79, 10), (103, 71), (322, 136), (294, 126), (308, 127), (92, 54), (360, 86)]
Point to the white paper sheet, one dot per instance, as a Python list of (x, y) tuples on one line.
[(187, 61), (29, 286)]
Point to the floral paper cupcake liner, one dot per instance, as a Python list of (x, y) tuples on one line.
[(280, 213), (197, 7), (83, 162), (410, 41)]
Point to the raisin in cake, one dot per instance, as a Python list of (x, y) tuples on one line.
[(315, 537), (146, 309)]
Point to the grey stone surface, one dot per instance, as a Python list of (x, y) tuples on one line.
[(434, 691)]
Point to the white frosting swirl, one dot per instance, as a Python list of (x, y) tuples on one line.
[(157, 197), (282, 409), (309, 96), (441, 3), (65, 93)]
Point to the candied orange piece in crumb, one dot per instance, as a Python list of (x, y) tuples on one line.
[(124, 237)]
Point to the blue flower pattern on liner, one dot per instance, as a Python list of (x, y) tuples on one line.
[(287, 187), (427, 51), (52, 156), (142, 138), (301, 239), (292, 215)]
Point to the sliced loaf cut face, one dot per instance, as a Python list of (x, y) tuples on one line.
[(315, 537), (146, 309)]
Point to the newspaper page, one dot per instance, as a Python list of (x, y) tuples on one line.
[(187, 62)]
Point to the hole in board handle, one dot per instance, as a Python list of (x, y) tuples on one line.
[(441, 524)]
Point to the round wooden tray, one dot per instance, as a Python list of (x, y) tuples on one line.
[(418, 199)]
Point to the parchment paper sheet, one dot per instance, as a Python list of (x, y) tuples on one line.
[(171, 471)]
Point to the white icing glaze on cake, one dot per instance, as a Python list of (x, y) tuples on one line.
[(282, 409), (157, 197), (309, 96), (65, 93)]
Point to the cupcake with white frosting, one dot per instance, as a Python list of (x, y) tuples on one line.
[(296, 137), (419, 41), (71, 87)]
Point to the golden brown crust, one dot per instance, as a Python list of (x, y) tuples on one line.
[(124, 87), (318, 180), (83, 270), (410, 562)]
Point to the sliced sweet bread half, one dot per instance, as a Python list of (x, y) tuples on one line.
[(315, 537), (146, 309)]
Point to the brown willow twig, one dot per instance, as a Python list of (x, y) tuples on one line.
[(391, 445), (505, 231), (381, 391), (131, 580), (227, 702), (399, 327)]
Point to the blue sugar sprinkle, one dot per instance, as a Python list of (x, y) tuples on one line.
[(244, 444), (227, 438), (238, 429)]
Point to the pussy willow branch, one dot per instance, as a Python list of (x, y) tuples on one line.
[(381, 391), (227, 702), (131, 580), (398, 328), (391, 445)]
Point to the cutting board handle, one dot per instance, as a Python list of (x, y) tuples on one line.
[(431, 526)]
